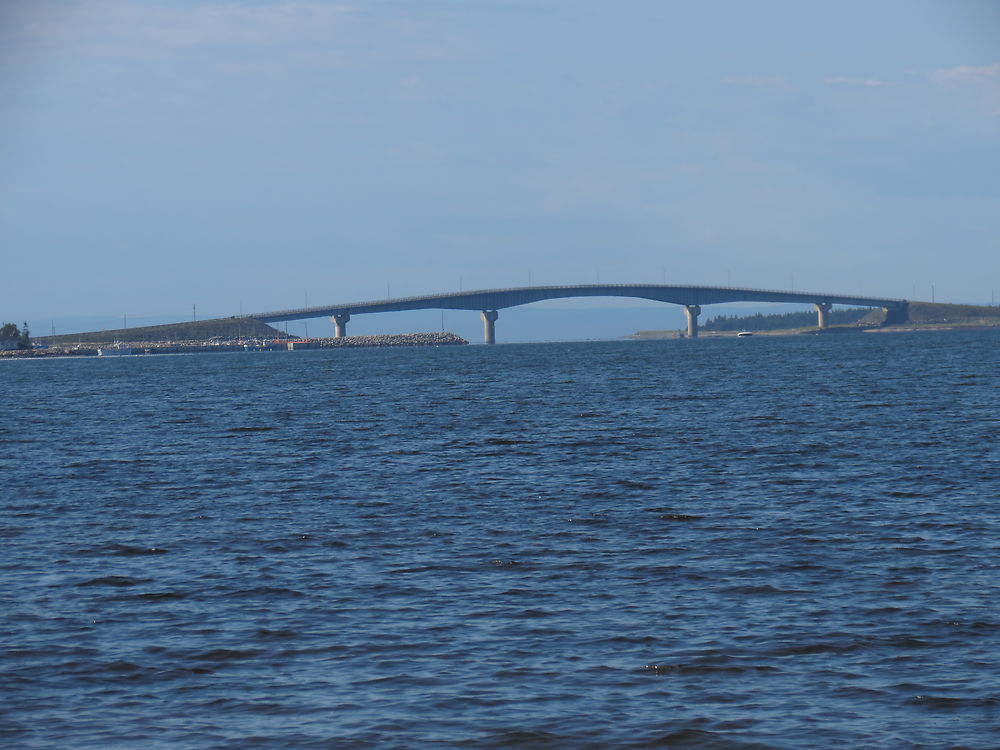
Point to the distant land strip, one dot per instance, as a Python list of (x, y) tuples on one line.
[(775, 321), (191, 331), (133, 346), (923, 316), (233, 332)]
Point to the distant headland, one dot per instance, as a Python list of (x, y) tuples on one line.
[(923, 316), (204, 336)]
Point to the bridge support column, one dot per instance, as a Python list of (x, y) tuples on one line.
[(340, 324), (822, 308), (489, 326), (692, 312)]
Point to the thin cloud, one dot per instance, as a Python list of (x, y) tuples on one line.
[(847, 81), (968, 74)]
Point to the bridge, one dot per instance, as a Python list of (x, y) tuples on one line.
[(489, 301)]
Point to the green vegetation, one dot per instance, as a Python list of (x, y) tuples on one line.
[(10, 332), (922, 316), (201, 330), (934, 314), (782, 321)]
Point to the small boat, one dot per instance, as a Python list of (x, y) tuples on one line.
[(117, 350), (744, 334)]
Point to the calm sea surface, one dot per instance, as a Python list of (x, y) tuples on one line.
[(760, 543)]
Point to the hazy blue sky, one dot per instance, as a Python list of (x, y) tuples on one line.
[(155, 155)]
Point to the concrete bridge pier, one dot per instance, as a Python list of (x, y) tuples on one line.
[(340, 324), (692, 312), (489, 326), (822, 308)]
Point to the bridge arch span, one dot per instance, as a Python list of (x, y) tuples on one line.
[(488, 301)]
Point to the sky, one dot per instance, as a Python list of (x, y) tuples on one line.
[(162, 160)]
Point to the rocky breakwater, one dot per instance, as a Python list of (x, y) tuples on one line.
[(52, 352), (393, 339)]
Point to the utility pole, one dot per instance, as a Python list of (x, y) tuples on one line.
[(194, 313)]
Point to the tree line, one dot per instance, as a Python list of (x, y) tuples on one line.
[(775, 321), (9, 331)]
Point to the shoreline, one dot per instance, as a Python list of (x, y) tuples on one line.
[(149, 348), (833, 330)]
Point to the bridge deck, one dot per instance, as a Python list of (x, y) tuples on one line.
[(497, 299)]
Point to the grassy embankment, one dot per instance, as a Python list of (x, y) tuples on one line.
[(922, 316), (938, 315), (198, 330)]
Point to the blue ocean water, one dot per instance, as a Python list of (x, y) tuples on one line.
[(764, 543)]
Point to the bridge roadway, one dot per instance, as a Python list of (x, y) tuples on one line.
[(488, 301)]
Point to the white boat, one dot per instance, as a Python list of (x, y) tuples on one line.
[(117, 350), (744, 334)]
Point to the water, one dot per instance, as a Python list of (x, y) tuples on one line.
[(783, 543)]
